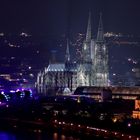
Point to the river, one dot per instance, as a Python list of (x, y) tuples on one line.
[(15, 135)]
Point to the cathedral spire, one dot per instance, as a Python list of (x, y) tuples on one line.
[(88, 33), (67, 55), (100, 34)]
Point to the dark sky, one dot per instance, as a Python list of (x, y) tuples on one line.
[(55, 17)]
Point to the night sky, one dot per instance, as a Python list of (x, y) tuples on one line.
[(57, 17)]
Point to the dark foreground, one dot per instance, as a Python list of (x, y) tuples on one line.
[(55, 118), (16, 135)]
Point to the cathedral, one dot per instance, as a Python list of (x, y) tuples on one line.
[(92, 70)]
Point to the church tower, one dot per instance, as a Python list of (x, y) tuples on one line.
[(86, 50), (84, 69), (67, 55), (100, 61), (67, 73)]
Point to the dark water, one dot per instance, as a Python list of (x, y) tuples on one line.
[(6, 135)]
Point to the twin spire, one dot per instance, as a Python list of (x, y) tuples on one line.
[(100, 35), (88, 33)]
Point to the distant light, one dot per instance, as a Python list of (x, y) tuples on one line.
[(37, 51), (135, 62), (31, 75), (22, 95), (11, 45), (24, 34), (29, 67), (25, 80), (4, 95), (2, 92), (17, 90), (114, 120), (30, 91), (12, 91), (1, 34), (129, 125), (133, 70), (78, 100), (12, 57), (20, 74)]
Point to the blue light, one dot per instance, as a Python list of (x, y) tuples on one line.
[(22, 94), (31, 93), (4, 95), (2, 92)]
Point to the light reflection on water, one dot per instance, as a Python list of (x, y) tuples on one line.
[(5, 135)]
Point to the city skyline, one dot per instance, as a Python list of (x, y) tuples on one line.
[(31, 31), (69, 69)]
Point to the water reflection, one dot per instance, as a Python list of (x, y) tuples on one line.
[(55, 136), (63, 137), (5, 135)]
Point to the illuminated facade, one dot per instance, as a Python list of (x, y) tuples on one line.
[(91, 70), (96, 92), (95, 59), (100, 60), (136, 112), (60, 77), (85, 68)]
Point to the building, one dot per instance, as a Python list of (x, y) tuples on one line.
[(114, 92), (136, 112), (91, 70), (100, 60)]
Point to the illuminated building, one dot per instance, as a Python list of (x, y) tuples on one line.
[(58, 76), (85, 67), (114, 92), (100, 61), (91, 70), (136, 112)]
